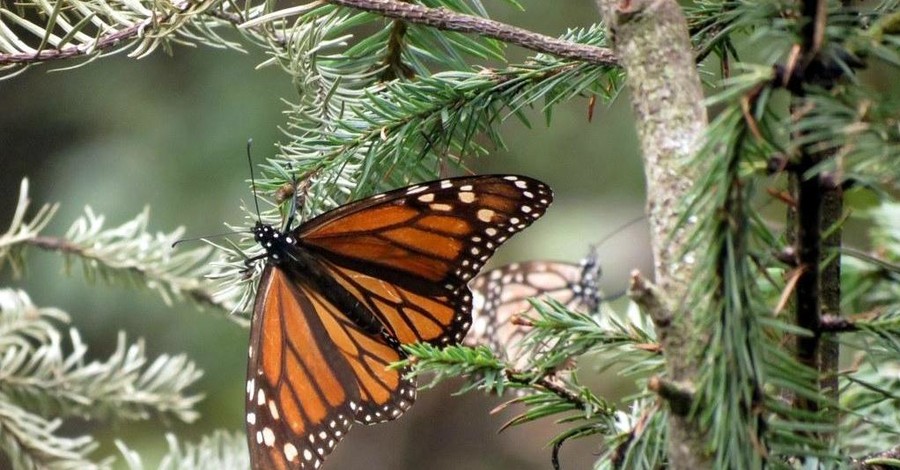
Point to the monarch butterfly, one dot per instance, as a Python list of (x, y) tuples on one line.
[(501, 294), (342, 292)]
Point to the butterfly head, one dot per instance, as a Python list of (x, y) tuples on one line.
[(272, 240)]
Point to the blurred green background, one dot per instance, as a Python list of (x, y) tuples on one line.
[(168, 132)]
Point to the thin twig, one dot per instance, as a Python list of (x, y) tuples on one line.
[(451, 21), (198, 294), (103, 43), (548, 385)]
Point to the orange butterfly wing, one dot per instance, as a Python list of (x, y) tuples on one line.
[(298, 405), (343, 291), (311, 373), (408, 254)]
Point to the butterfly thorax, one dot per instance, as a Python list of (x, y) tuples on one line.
[(288, 253), (273, 241), (276, 243)]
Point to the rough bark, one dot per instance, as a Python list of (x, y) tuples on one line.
[(651, 40)]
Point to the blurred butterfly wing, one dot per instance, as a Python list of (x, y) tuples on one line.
[(502, 293), (408, 254), (311, 371), (299, 386)]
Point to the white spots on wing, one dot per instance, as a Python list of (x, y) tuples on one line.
[(441, 207), (307, 455), (526, 209), (250, 351), (290, 452), (251, 418), (466, 187), (250, 387), (485, 215), (260, 397), (416, 189), (273, 409), (490, 231), (426, 197), (268, 437), (446, 184), (467, 197)]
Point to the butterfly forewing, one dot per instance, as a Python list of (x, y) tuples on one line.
[(429, 240)]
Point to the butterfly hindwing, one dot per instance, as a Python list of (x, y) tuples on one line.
[(384, 393), (300, 390), (502, 294), (422, 245)]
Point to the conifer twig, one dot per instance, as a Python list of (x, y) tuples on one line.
[(448, 20)]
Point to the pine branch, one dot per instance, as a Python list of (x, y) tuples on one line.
[(30, 441), (40, 379), (870, 401), (124, 253), (557, 336), (381, 126), (87, 30), (20, 231), (36, 370), (451, 21), (640, 441), (545, 396), (130, 253), (216, 451)]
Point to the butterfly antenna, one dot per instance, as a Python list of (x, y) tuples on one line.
[(252, 179), (615, 232), (223, 234)]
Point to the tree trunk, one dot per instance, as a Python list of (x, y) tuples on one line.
[(653, 45)]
